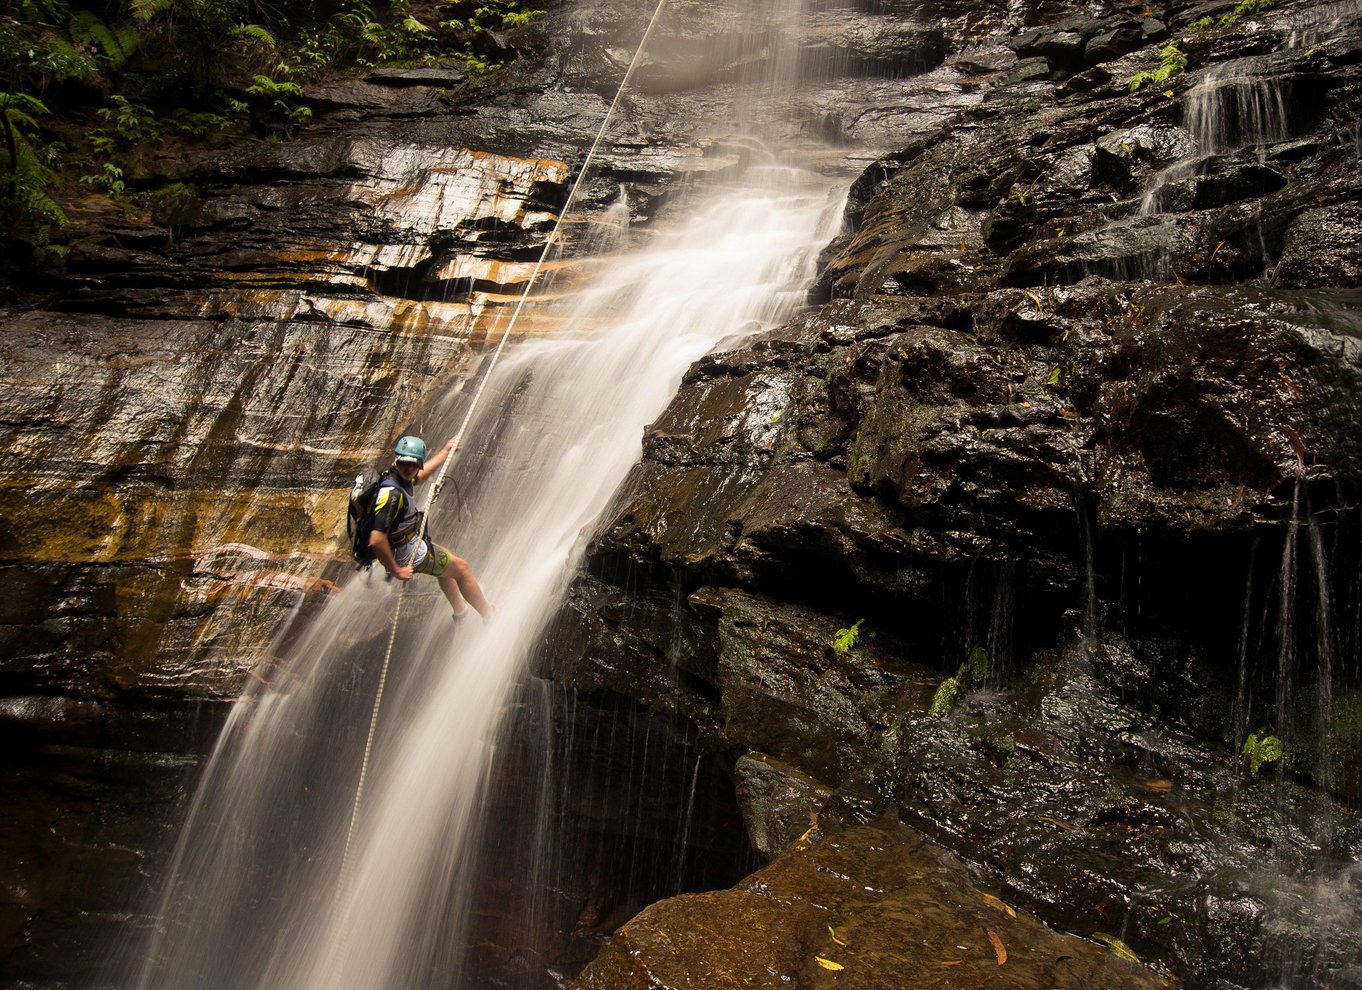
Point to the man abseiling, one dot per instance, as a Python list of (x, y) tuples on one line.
[(397, 523)]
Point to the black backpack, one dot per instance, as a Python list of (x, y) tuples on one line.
[(359, 522)]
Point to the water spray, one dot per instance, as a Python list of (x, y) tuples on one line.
[(343, 883)]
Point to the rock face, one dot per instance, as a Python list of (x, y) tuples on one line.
[(864, 908), (1071, 424), (1073, 432)]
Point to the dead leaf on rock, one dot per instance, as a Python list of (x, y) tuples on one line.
[(952, 962), (827, 963), (1117, 947), (998, 948), (994, 902), (832, 933)]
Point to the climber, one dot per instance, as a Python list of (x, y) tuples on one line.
[(397, 522)]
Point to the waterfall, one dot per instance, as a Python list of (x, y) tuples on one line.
[(562, 426), (253, 900), (1234, 106)]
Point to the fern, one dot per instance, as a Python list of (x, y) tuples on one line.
[(1261, 749), (846, 639), (118, 43), (519, 18), (145, 10), (265, 86), (58, 58), (256, 36), (18, 110), (26, 179), (132, 122), (1172, 62), (1247, 8)]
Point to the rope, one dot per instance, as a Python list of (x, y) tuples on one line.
[(543, 256), (343, 885)]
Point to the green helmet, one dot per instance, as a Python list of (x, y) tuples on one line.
[(411, 449)]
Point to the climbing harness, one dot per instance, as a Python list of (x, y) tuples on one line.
[(343, 884)]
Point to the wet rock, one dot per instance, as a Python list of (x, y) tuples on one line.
[(1318, 251), (865, 44), (371, 96), (1127, 158), (621, 771), (779, 803), (784, 684), (442, 76), (1081, 41), (843, 907), (654, 651), (1107, 795), (1059, 386)]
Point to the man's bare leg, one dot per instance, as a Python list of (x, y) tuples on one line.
[(450, 587), (465, 587)]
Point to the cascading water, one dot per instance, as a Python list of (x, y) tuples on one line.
[(254, 900), (1234, 106)]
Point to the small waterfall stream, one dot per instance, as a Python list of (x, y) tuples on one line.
[(1234, 107), (253, 900)]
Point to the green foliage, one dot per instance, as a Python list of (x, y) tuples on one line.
[(110, 178), (132, 122), (202, 38), (472, 28), (846, 639), (158, 69), (198, 122), (273, 88), (943, 701), (145, 10), (18, 110), (30, 212), (412, 26), (978, 665), (1343, 733), (1246, 8), (1172, 62), (173, 190), (948, 692), (1261, 748), (277, 105), (518, 18), (478, 66), (1022, 194), (117, 43), (254, 45)]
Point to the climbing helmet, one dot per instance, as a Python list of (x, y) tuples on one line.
[(411, 449)]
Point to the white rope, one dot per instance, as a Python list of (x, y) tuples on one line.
[(343, 885)]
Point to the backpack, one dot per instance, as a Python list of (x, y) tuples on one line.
[(359, 521)]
